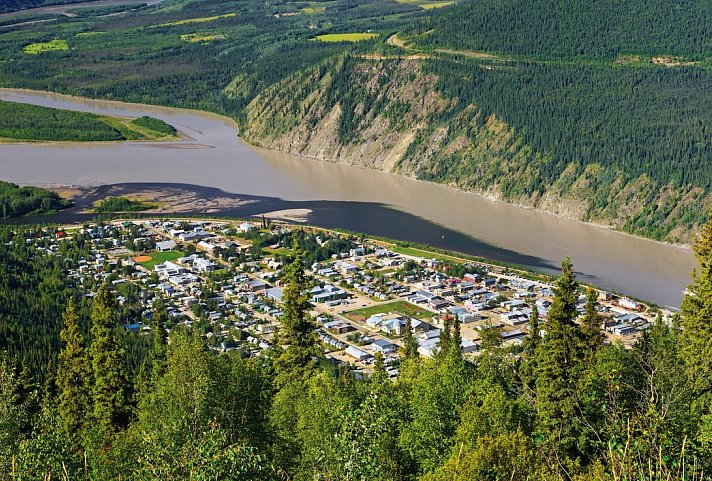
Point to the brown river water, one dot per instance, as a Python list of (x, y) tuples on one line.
[(215, 157)]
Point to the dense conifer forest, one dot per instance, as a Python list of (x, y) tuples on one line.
[(594, 29), (16, 201)]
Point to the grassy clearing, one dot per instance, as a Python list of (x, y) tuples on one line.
[(345, 37), (131, 130), (277, 252), (430, 6), (412, 251), (160, 258), (90, 34), (202, 37), (313, 10), (197, 20), (426, 5), (54, 45), (401, 307)]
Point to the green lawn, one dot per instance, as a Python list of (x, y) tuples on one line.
[(161, 257), (412, 251), (345, 37), (37, 48), (402, 307), (277, 252)]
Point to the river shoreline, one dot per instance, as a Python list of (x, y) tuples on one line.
[(259, 149), (217, 164)]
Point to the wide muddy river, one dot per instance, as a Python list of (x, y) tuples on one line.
[(215, 157)]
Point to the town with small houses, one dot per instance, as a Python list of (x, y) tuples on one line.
[(224, 278)]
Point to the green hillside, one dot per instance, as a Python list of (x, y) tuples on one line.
[(595, 28), (596, 111)]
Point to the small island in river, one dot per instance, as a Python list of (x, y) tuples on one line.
[(28, 123)]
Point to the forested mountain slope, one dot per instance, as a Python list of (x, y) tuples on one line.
[(625, 147), (600, 28), (596, 111)]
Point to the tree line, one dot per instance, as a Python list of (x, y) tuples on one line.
[(16, 201), (599, 28)]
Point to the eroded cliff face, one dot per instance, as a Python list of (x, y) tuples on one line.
[(387, 115)]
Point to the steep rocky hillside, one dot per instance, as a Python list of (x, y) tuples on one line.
[(388, 115)]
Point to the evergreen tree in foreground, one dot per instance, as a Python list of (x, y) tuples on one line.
[(591, 332), (108, 364), (697, 315), (154, 366), (297, 336), (529, 349), (73, 374), (410, 343), (558, 362), (445, 339), (456, 342), (696, 337)]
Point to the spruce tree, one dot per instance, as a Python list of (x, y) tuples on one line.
[(159, 341), (108, 365), (296, 336), (379, 369), (558, 362), (591, 333), (410, 343), (445, 339), (696, 341), (154, 365), (73, 374), (529, 348), (456, 342), (532, 340)]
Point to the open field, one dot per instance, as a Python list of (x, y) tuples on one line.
[(202, 37), (197, 20), (54, 45), (279, 252), (313, 10), (159, 258), (131, 130), (345, 37), (430, 6), (425, 4), (401, 307), (412, 251)]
